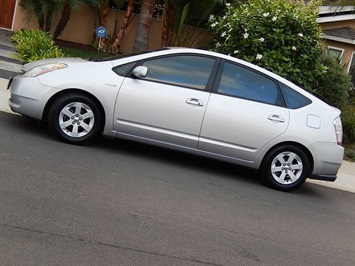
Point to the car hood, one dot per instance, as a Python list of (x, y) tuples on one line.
[(33, 64)]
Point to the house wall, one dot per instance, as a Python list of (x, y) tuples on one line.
[(348, 48), (83, 23)]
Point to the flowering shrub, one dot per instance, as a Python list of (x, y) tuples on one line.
[(282, 36)]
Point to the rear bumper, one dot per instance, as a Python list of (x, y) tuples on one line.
[(328, 158)]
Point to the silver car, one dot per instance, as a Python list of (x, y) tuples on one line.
[(190, 100)]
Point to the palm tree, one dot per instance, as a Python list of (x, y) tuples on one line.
[(43, 11), (68, 6), (177, 12), (144, 23)]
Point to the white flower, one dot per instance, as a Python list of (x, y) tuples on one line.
[(218, 44), (261, 39), (223, 34), (259, 56), (211, 17), (266, 14), (227, 38), (294, 48), (214, 24), (236, 51), (225, 16), (246, 35), (300, 34), (274, 19), (228, 4), (245, 29)]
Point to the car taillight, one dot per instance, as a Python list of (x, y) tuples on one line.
[(338, 128)]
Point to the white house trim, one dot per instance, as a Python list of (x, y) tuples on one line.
[(338, 39)]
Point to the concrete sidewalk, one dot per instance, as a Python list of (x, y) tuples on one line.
[(346, 175)]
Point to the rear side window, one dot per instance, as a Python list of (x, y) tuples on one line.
[(183, 70), (293, 99), (244, 83)]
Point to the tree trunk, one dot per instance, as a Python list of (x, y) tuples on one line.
[(64, 18), (145, 21), (126, 20), (102, 13), (168, 24), (39, 14), (48, 19)]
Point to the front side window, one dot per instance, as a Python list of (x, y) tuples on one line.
[(184, 70), (244, 83), (123, 70)]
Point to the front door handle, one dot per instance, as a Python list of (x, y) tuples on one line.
[(194, 101), (276, 118)]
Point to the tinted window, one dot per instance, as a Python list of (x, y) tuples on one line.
[(244, 83), (187, 70), (123, 69), (293, 99)]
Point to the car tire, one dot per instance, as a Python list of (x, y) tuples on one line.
[(286, 168), (74, 118)]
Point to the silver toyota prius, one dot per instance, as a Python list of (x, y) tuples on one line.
[(189, 100)]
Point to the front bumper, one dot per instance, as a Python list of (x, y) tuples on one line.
[(28, 96)]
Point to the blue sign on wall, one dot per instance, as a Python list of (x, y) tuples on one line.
[(101, 32)]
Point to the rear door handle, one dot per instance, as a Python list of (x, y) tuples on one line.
[(276, 118), (194, 101)]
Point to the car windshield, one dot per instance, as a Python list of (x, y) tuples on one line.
[(120, 56)]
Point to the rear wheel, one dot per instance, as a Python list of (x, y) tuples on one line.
[(74, 118), (286, 168)]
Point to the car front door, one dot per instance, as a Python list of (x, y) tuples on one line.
[(168, 104), (245, 112)]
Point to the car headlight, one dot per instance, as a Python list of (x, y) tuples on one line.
[(42, 69)]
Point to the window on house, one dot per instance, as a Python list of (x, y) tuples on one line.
[(352, 68), (337, 53)]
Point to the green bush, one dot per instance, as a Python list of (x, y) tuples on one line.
[(348, 120), (335, 84), (282, 36), (34, 45)]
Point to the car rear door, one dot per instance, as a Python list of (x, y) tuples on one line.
[(167, 105), (245, 112)]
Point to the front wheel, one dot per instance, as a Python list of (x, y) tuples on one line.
[(286, 168), (74, 118)]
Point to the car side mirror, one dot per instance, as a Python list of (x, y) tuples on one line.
[(140, 72)]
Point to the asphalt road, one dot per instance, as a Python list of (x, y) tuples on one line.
[(115, 202)]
